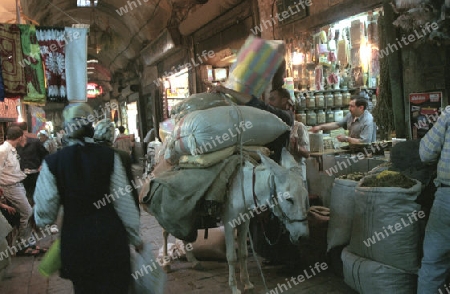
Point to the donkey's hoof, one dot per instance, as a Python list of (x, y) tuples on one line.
[(198, 266), (249, 288), (167, 268)]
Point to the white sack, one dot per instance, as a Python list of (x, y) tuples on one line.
[(341, 212), (213, 129), (371, 277), (377, 208)]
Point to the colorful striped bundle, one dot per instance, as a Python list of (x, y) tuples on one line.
[(256, 64)]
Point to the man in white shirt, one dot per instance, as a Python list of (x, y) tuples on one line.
[(11, 177)]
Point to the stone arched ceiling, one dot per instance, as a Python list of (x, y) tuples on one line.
[(134, 23)]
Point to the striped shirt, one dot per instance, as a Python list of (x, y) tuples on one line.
[(435, 146)]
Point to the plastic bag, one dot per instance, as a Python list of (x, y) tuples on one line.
[(148, 276), (51, 263)]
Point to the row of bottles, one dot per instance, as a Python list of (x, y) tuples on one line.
[(319, 99), (312, 118)]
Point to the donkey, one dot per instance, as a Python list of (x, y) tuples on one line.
[(253, 190)]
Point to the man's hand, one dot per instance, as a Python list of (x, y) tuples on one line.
[(315, 129), (9, 209), (342, 138)]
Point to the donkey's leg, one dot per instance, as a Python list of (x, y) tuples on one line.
[(231, 258), (191, 258), (243, 254), (166, 265)]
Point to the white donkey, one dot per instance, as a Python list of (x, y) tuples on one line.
[(253, 190)]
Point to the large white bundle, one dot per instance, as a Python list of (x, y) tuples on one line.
[(341, 212), (386, 225), (371, 277), (213, 129)]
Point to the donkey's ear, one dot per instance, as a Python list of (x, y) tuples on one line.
[(273, 166), (287, 160)]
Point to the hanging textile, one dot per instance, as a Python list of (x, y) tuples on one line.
[(51, 41), (11, 59), (2, 87), (8, 109), (76, 64), (34, 73)]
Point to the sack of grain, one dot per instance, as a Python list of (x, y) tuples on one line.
[(371, 277), (385, 225), (205, 131)]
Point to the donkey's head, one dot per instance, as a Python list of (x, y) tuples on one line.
[(288, 194)]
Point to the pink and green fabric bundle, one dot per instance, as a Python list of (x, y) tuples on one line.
[(256, 64)]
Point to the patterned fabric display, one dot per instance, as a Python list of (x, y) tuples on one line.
[(34, 73), (52, 42), (11, 59)]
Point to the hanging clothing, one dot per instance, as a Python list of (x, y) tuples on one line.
[(76, 64), (32, 65), (52, 42), (12, 59)]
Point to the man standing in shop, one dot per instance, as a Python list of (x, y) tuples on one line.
[(31, 157), (435, 147), (359, 123), (11, 177)]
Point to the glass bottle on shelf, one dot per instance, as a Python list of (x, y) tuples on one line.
[(338, 99), (302, 98), (329, 116), (346, 98), (320, 102), (338, 114), (329, 99), (301, 117), (310, 100), (311, 118), (321, 117)]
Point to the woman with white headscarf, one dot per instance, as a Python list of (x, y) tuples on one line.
[(99, 223)]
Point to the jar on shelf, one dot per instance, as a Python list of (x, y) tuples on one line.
[(301, 117), (310, 101), (321, 119), (346, 98), (338, 99), (320, 102), (302, 100), (329, 99), (338, 114), (311, 118), (329, 116)]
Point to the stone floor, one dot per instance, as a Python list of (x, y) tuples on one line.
[(22, 277)]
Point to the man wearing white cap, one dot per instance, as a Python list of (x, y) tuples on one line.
[(49, 144)]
